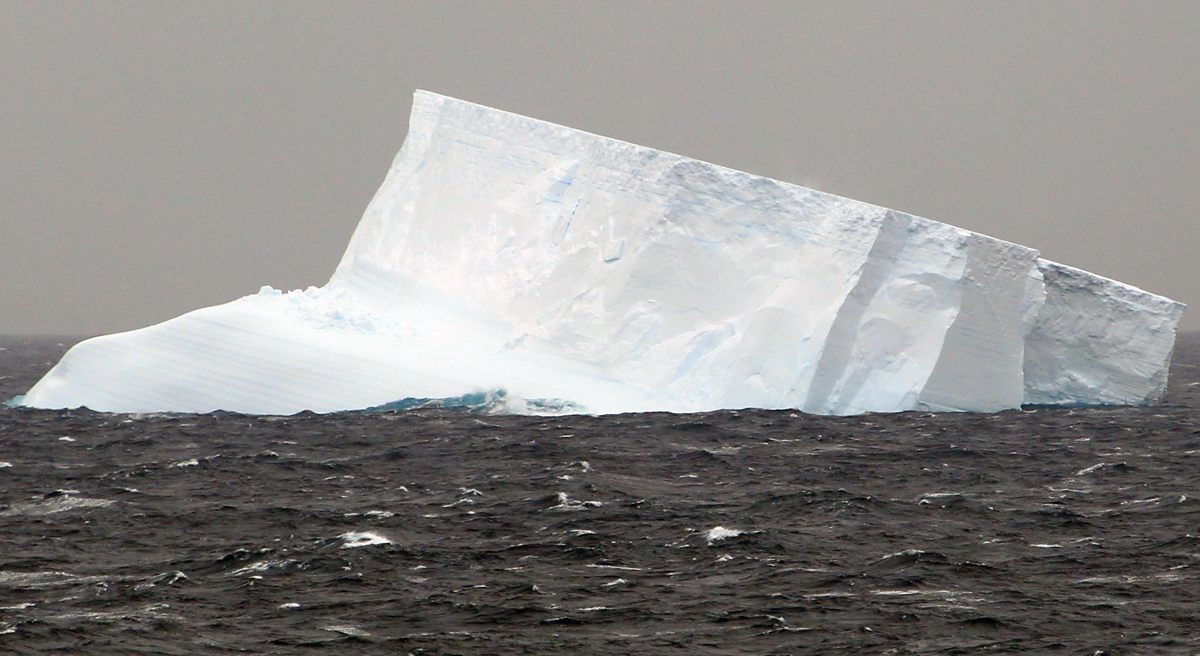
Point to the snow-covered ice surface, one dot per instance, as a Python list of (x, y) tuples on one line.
[(543, 269)]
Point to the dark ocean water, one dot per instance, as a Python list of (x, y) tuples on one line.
[(751, 532)]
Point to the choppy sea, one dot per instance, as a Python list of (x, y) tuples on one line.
[(739, 532)]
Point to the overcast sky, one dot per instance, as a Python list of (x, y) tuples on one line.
[(160, 157)]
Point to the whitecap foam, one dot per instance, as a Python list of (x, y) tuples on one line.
[(53, 505), (45, 580), (262, 566), (346, 629), (566, 503), (620, 567), (357, 539), (371, 513), (718, 533), (166, 578)]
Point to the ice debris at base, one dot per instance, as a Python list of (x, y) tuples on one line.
[(507, 253), (489, 402)]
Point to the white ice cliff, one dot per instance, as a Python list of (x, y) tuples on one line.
[(580, 273)]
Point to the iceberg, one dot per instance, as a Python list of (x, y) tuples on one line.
[(538, 269)]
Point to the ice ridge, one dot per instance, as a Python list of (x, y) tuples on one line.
[(507, 253)]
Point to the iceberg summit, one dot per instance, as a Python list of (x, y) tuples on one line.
[(516, 264)]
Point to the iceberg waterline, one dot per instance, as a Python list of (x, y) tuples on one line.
[(507, 253)]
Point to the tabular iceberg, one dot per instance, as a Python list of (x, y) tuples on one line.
[(579, 273)]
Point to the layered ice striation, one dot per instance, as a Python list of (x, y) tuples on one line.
[(583, 274)]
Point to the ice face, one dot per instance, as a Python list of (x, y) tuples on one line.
[(1098, 341), (580, 273)]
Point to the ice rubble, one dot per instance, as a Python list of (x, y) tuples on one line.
[(580, 273)]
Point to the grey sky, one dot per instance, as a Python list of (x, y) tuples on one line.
[(159, 157)]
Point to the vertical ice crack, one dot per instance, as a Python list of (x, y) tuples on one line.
[(837, 356)]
